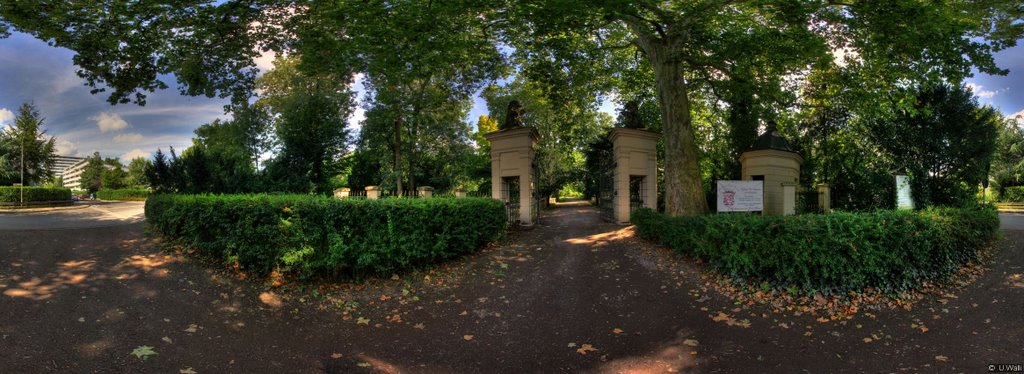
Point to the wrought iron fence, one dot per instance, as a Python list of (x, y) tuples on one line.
[(606, 189), (356, 195), (808, 202), (637, 192), (510, 195)]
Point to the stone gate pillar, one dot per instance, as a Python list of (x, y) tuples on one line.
[(635, 152), (512, 153)]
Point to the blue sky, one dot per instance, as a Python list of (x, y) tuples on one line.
[(31, 70)]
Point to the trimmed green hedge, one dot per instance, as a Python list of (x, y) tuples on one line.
[(9, 194), (324, 236), (832, 253), (127, 194), (1012, 194)]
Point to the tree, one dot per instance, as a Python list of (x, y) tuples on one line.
[(944, 142), (136, 176), (311, 113), (92, 174), (1008, 160), (578, 48), (27, 141), (113, 175), (159, 175)]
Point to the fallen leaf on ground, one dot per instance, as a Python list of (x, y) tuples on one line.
[(941, 358), (143, 352), (586, 348), (420, 326), (467, 337), (868, 340), (192, 328), (336, 355), (363, 321), (691, 342), (364, 364), (572, 345), (168, 340), (188, 370), (617, 331)]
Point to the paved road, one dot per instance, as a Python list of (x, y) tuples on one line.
[(98, 214), (1011, 221)]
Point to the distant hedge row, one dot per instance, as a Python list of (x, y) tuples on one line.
[(1012, 194), (832, 253), (127, 194), (9, 194), (313, 236)]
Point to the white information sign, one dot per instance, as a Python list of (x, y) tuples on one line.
[(903, 197), (740, 196)]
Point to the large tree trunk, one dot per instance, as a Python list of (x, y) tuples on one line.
[(684, 194)]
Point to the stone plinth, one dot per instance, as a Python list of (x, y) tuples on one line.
[(342, 193), (372, 192), (424, 191), (512, 153), (636, 159)]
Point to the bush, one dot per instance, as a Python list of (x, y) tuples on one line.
[(1012, 194), (833, 253), (127, 194), (323, 236), (10, 194)]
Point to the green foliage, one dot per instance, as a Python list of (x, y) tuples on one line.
[(26, 140), (127, 194), (833, 253), (13, 194), (1013, 194), (944, 140), (1008, 159), (322, 236), (136, 176), (92, 174)]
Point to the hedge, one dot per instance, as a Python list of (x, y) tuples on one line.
[(127, 194), (9, 194), (1012, 194), (833, 253), (323, 236)]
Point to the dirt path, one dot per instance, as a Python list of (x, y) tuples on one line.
[(83, 300)]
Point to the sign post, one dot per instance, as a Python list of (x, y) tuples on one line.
[(740, 196)]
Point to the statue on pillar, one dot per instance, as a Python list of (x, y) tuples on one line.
[(631, 116), (513, 116)]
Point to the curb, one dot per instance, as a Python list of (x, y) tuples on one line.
[(45, 209)]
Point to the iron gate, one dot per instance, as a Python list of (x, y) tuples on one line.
[(510, 195)]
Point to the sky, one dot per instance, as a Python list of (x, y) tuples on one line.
[(83, 123)]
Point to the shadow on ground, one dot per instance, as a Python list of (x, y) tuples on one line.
[(573, 294)]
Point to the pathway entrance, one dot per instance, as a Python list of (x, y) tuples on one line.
[(81, 300)]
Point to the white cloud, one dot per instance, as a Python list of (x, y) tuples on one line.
[(266, 61), (133, 154), (1019, 116), (6, 115), (66, 147), (109, 121), (980, 91), (128, 138)]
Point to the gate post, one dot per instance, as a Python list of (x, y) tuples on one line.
[(512, 153), (635, 152)]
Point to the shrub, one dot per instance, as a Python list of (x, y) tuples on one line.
[(323, 236), (10, 194), (832, 253), (1012, 194), (127, 194)]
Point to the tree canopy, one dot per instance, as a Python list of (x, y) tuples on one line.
[(742, 61)]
